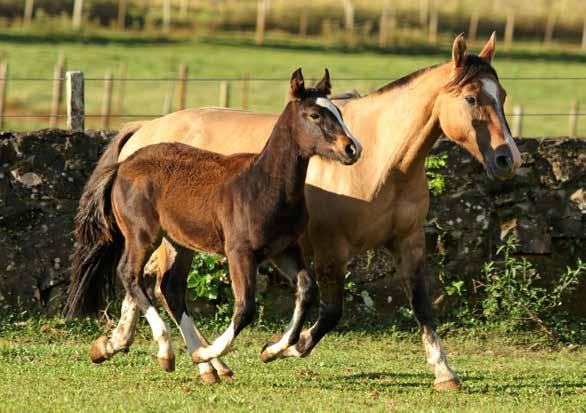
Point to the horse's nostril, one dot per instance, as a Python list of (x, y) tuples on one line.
[(504, 162), (350, 149)]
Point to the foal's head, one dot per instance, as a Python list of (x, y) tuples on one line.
[(470, 110), (318, 124)]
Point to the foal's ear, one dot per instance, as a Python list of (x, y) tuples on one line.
[(487, 53), (324, 85), (459, 52), (297, 85)]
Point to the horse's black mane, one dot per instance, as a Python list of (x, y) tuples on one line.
[(473, 65)]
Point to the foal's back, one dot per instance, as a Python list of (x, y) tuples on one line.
[(181, 186)]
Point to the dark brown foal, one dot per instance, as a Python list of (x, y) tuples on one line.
[(248, 207)]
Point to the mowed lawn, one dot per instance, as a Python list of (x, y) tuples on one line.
[(33, 55), (48, 369)]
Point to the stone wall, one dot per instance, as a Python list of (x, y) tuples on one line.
[(42, 174)]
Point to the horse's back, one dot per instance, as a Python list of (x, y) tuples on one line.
[(224, 131)]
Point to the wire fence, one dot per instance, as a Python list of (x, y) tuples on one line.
[(171, 81)]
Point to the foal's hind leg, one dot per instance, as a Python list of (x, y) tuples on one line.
[(412, 256), (104, 348), (130, 272), (243, 272), (292, 264), (170, 291)]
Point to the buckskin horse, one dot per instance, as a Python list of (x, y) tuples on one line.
[(249, 207), (383, 199)]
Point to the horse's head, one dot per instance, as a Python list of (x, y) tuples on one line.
[(317, 123), (470, 110)]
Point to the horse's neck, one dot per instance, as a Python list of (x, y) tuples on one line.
[(282, 163), (399, 127)]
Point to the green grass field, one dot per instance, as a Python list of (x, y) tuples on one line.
[(45, 367), (33, 54)]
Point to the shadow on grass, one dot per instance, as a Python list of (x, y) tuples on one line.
[(414, 49), (90, 38)]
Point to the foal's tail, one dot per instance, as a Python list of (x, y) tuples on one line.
[(98, 239)]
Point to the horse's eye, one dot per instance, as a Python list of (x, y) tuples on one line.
[(314, 116), (471, 100)]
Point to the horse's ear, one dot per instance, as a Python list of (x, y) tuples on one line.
[(459, 52), (324, 85), (487, 53), (297, 85)]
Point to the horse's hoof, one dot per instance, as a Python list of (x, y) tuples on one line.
[(227, 375), (448, 385), (167, 364), (210, 377), (267, 356), (99, 350)]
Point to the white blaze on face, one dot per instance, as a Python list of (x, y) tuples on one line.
[(491, 89), (326, 103)]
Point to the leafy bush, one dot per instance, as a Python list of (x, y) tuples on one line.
[(513, 295), (435, 180), (208, 278)]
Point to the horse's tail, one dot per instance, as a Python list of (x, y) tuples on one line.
[(98, 239)]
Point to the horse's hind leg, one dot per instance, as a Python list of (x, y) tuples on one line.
[(130, 272), (174, 265), (412, 256), (243, 272), (122, 338), (292, 264)]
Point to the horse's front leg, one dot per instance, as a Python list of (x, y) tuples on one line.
[(242, 265), (330, 280), (292, 265), (411, 252)]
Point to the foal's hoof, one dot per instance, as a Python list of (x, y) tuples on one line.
[(210, 377), (268, 356), (167, 364), (448, 385), (227, 375), (99, 350)]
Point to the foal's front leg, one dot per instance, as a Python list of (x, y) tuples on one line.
[(242, 265), (292, 265)]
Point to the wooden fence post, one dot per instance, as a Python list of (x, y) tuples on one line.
[(303, 20), (423, 12), (584, 34), (58, 74), (168, 102), (121, 86), (3, 90), (245, 90), (509, 30), (383, 33), (77, 14), (182, 87), (75, 101), (107, 102), (121, 15), (349, 19), (517, 121), (28, 12), (573, 124), (433, 23), (549, 27), (262, 8), (224, 94), (473, 27), (166, 15), (183, 9)]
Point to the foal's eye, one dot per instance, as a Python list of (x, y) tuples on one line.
[(314, 116), (471, 100)]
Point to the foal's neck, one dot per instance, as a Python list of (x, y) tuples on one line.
[(283, 161)]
